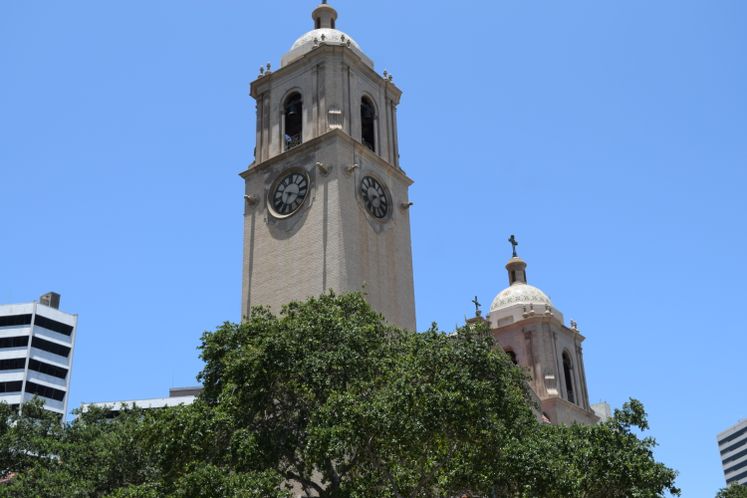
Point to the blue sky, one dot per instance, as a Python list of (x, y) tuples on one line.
[(608, 136)]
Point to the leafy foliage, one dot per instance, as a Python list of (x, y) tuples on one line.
[(733, 491), (329, 399)]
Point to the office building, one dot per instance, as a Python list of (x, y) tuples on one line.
[(36, 353), (732, 444)]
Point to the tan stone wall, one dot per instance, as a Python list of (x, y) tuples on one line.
[(331, 243)]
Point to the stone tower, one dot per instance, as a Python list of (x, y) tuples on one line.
[(326, 202), (531, 330)]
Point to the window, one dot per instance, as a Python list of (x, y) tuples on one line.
[(14, 342), (568, 371), (13, 364), (318, 23), (368, 118), (11, 387), (293, 111), (50, 347), (53, 325), (512, 355), (48, 369), (47, 392), (15, 320)]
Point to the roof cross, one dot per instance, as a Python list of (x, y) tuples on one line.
[(477, 306), (514, 243)]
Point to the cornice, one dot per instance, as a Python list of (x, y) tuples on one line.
[(314, 142)]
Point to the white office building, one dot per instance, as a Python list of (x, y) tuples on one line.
[(732, 444), (177, 396), (36, 353)]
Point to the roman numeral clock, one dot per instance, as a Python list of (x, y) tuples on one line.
[(327, 203)]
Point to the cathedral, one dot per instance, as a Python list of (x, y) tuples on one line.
[(327, 207)]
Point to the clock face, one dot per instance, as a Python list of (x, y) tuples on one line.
[(374, 197), (288, 194)]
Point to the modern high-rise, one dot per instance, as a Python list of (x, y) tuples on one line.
[(36, 353), (732, 444)]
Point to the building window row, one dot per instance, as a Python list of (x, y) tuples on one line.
[(53, 325), (734, 446), (736, 456), (736, 478), (47, 392), (732, 437), (735, 467), (13, 364), (14, 342), (15, 320), (11, 387), (50, 347), (46, 368)]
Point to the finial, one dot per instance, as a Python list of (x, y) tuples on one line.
[(324, 16), (514, 243)]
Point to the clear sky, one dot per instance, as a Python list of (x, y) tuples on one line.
[(609, 136)]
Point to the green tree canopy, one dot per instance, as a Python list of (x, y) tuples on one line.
[(330, 400), (733, 491)]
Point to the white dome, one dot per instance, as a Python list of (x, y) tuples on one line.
[(324, 35), (520, 293)]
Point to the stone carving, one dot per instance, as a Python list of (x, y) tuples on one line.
[(335, 118)]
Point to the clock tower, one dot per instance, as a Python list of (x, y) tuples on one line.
[(326, 201)]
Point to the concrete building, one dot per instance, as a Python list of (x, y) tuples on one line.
[(177, 396), (732, 445), (327, 202), (36, 353)]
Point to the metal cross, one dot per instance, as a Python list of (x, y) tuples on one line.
[(477, 306), (513, 242)]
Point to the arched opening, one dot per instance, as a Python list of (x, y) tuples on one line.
[(512, 355), (368, 128), (293, 112), (318, 23), (568, 371), (333, 23)]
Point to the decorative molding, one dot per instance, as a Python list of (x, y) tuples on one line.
[(335, 118), (323, 168)]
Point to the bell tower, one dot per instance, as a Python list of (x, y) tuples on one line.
[(532, 331), (326, 201)]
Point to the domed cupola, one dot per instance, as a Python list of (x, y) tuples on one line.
[(325, 32), (519, 300)]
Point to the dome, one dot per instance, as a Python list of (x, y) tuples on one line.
[(328, 36), (520, 293), (323, 36), (325, 33)]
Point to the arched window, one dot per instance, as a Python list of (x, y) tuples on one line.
[(368, 118), (293, 113), (512, 355), (318, 23), (568, 371)]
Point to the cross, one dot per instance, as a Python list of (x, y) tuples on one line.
[(477, 306), (513, 242)]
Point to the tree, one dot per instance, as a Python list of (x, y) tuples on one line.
[(733, 491), (330, 399)]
